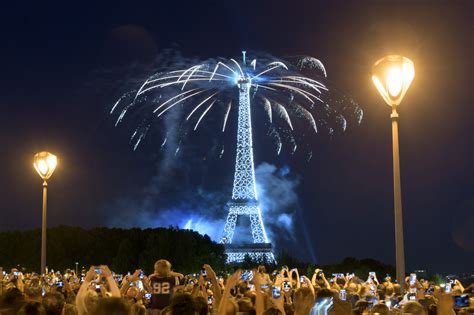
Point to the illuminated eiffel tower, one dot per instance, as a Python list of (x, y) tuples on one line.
[(244, 200)]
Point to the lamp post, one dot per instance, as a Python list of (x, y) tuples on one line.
[(44, 163), (392, 76)]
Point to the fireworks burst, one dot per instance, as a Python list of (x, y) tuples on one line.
[(285, 90)]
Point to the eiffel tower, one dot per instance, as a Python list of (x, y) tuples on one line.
[(244, 200)]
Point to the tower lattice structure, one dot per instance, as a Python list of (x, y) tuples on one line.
[(244, 200)]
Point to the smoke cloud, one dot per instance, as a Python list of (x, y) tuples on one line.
[(205, 212)]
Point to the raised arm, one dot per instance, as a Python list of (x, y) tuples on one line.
[(114, 290), (81, 295), (216, 289), (231, 282)]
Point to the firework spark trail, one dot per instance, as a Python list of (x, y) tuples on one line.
[(278, 85), (200, 104), (204, 114), (284, 114), (226, 115), (177, 102), (268, 108)]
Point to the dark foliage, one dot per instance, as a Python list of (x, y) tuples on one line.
[(123, 250)]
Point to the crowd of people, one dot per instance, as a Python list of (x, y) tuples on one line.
[(284, 291)]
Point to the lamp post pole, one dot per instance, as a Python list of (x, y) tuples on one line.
[(45, 164), (43, 228), (397, 196), (392, 76)]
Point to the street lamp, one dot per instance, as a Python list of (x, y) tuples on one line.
[(44, 163), (392, 76)]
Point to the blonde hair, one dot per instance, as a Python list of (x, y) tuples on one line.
[(163, 268)]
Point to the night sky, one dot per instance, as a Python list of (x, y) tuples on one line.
[(64, 65)]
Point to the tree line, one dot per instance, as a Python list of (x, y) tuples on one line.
[(121, 249), (125, 250)]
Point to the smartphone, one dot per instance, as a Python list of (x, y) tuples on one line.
[(343, 295), (16, 273), (372, 289), (372, 274), (97, 286), (97, 270), (412, 278), (246, 275), (276, 292), (210, 299), (264, 286), (203, 272), (301, 279), (142, 274), (411, 296), (461, 301), (148, 296), (60, 284), (447, 287), (286, 286)]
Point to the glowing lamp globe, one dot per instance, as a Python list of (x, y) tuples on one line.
[(392, 76), (45, 163)]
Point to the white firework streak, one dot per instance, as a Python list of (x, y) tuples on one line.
[(316, 82), (226, 115), (162, 85), (284, 114), (204, 114), (305, 113), (177, 102), (238, 66), (254, 64), (302, 92), (175, 97), (189, 76), (296, 81), (164, 142), (200, 104), (268, 107), (276, 64), (217, 66), (188, 70)]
